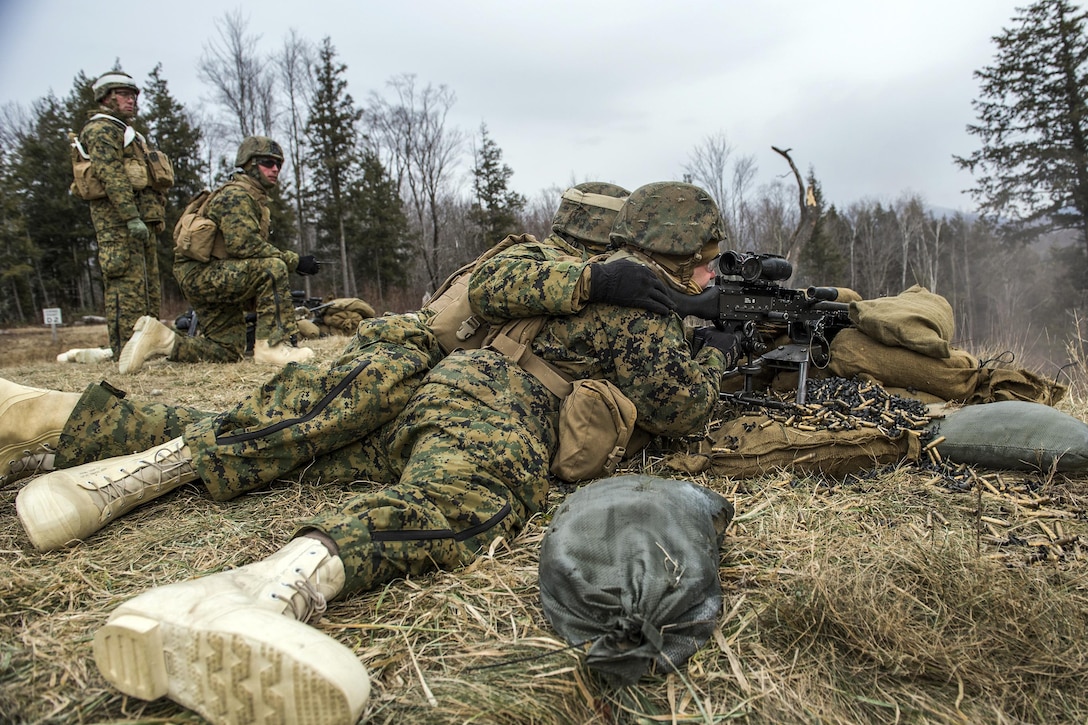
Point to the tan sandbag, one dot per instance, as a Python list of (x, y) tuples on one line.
[(916, 319), (918, 395), (954, 378), (1003, 384), (307, 329), (754, 445), (343, 315)]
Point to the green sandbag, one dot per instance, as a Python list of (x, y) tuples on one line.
[(1013, 435)]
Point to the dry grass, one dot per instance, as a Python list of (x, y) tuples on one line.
[(879, 598)]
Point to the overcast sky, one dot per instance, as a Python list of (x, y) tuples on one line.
[(875, 96)]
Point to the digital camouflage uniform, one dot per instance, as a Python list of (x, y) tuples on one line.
[(254, 270), (130, 268), (305, 411), (467, 459)]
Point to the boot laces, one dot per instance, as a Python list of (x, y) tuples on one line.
[(30, 463), (137, 481), (309, 604)]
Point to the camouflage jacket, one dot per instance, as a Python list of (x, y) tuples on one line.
[(240, 210), (104, 141), (550, 282), (647, 356)]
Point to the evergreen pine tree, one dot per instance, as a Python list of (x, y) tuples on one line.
[(57, 224), (1032, 168), (496, 207), (333, 137), (172, 131)]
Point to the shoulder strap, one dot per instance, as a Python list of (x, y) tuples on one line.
[(512, 341), (131, 134)]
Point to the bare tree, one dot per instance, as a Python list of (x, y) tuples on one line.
[(536, 217), (771, 219), (240, 79), (293, 63), (421, 153), (807, 212), (712, 166), (920, 242), (909, 222), (874, 234)]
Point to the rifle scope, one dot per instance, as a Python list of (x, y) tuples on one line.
[(754, 267)]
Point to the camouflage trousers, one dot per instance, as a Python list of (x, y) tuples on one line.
[(130, 281), (105, 424), (464, 462), (220, 292)]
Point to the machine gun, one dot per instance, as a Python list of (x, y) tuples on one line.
[(747, 294)]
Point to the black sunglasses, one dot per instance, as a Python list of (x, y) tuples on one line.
[(270, 164)]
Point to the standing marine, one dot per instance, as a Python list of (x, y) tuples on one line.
[(130, 211)]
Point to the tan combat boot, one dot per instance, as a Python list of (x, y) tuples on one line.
[(222, 646), (71, 504), (280, 354), (31, 464), (31, 420), (150, 338)]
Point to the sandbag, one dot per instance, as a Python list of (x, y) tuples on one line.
[(1013, 435), (952, 378), (754, 445), (1006, 384), (630, 564), (916, 319), (343, 315)]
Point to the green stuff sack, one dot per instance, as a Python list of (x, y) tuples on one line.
[(1013, 435), (630, 565)]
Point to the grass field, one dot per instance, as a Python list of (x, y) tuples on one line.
[(881, 597)]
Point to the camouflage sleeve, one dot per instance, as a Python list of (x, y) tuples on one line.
[(239, 218), (651, 362), (647, 356), (527, 280), (104, 142)]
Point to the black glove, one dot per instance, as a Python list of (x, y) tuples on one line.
[(307, 265), (727, 342), (627, 283)]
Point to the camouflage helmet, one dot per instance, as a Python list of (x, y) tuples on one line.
[(586, 212), (256, 146), (669, 217), (112, 81)]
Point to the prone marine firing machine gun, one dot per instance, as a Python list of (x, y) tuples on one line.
[(748, 299)]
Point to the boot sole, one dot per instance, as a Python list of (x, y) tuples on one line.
[(230, 673)]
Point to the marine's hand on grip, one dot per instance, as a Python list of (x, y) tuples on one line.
[(627, 283)]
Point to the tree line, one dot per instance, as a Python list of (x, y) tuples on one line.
[(377, 189)]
